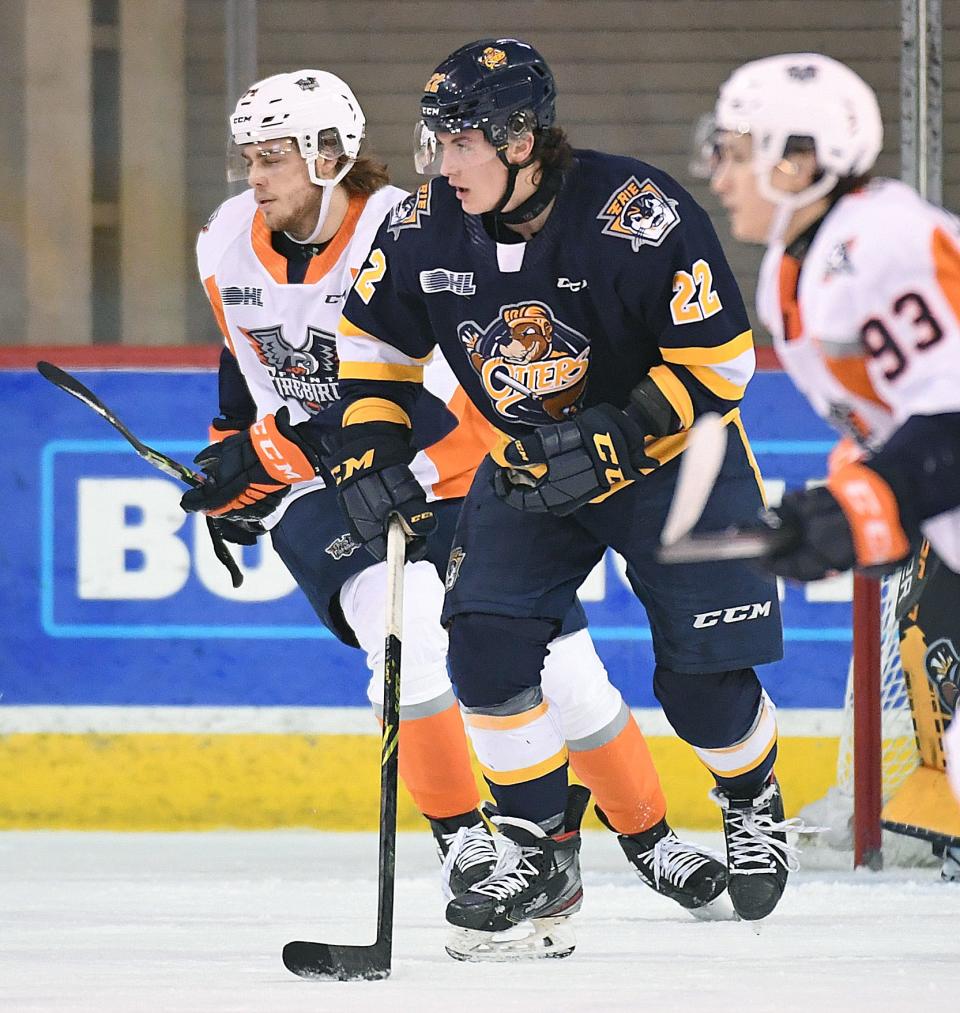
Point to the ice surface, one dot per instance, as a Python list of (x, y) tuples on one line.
[(196, 922)]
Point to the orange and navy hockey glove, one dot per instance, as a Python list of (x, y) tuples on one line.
[(558, 469), (852, 521), (370, 462), (248, 473)]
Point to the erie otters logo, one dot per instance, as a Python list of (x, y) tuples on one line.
[(492, 58), (532, 366), (407, 214), (639, 212), (307, 374)]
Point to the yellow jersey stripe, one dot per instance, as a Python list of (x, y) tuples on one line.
[(717, 384), (381, 371), (674, 391), (699, 356), (374, 409)]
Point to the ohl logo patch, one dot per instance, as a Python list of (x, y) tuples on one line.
[(531, 365), (639, 212), (407, 214)]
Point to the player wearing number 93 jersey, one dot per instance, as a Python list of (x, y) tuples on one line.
[(584, 303), (860, 287)]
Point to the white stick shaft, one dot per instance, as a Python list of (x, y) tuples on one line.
[(396, 551)]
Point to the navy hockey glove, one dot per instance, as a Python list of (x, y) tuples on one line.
[(852, 521), (371, 466), (250, 472), (559, 468)]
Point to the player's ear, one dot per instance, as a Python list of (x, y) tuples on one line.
[(796, 171), (521, 148)]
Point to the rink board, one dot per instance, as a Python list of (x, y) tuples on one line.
[(114, 600)]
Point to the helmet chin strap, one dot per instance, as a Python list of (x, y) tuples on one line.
[(550, 182), (787, 204), (328, 186)]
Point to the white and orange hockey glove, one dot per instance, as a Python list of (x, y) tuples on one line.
[(250, 472), (852, 521)]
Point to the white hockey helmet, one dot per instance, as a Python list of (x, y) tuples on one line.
[(314, 107), (802, 95)]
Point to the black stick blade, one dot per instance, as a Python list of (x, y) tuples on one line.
[(338, 963)]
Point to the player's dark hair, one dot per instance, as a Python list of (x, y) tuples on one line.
[(552, 149), (845, 185)]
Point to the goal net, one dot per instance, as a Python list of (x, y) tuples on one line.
[(899, 753)]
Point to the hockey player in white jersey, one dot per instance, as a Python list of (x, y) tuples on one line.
[(860, 288), (276, 262)]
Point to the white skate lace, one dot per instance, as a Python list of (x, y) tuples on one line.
[(675, 860), (512, 874), (750, 842), (468, 847)]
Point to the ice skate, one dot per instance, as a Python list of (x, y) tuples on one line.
[(522, 910), (758, 855), (694, 877), (467, 850)]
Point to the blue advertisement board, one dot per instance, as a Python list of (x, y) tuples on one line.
[(113, 596)]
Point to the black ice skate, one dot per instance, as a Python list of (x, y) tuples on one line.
[(758, 855), (467, 851), (694, 877), (522, 909)]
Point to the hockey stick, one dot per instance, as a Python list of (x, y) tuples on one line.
[(337, 961), (701, 463), (60, 378), (699, 467)]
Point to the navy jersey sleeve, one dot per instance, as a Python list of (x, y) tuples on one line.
[(237, 406), (384, 336), (691, 303)]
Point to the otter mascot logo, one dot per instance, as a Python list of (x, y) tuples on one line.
[(532, 366), (639, 212)]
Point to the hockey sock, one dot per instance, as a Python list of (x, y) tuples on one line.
[(435, 764), (623, 779)]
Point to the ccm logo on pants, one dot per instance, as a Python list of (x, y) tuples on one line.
[(736, 614)]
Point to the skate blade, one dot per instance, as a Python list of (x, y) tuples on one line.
[(539, 939), (720, 909)]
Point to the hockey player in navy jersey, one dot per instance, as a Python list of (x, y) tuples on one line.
[(584, 303), (276, 262)]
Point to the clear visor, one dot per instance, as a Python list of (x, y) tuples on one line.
[(460, 151), (241, 157), (705, 147)]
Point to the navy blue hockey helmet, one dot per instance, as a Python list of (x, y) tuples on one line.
[(499, 86)]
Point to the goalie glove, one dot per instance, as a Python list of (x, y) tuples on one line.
[(560, 468), (852, 521), (370, 463), (250, 472)]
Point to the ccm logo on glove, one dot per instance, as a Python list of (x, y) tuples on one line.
[(281, 458)]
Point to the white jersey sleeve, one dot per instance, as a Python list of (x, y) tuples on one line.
[(880, 295)]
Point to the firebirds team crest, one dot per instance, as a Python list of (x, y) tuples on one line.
[(532, 366), (307, 374), (639, 212)]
